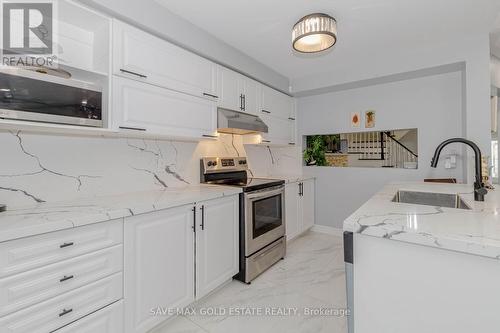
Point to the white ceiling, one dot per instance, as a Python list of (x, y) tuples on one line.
[(262, 28)]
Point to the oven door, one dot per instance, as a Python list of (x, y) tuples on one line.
[(264, 218)]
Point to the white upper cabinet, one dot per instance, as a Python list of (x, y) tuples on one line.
[(251, 95), (237, 92), (155, 110), (217, 243), (281, 131), (142, 56), (230, 89), (276, 104), (83, 39)]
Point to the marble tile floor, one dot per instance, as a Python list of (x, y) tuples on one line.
[(311, 278)]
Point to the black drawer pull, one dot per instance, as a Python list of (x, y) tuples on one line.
[(267, 141), (62, 246), (132, 128), (265, 111), (209, 136), (291, 143), (133, 73), (210, 95), (66, 278), (65, 312), (290, 118)]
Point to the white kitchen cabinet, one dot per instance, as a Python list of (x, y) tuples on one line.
[(281, 131), (217, 243), (59, 311), (276, 104), (308, 194), (237, 92), (106, 320), (299, 207), (155, 110), (141, 56), (292, 210), (158, 265)]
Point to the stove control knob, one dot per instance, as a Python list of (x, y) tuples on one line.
[(214, 163), (209, 163), (241, 162)]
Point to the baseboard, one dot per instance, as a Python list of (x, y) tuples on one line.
[(327, 230)]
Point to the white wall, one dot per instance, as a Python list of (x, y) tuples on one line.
[(431, 104), (59, 168), (495, 71), (473, 51), (156, 19)]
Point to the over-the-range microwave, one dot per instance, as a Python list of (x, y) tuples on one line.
[(31, 96)]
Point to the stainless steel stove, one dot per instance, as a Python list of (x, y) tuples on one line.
[(262, 213)]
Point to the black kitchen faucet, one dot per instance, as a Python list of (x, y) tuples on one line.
[(479, 189)]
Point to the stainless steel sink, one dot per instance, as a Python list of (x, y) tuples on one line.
[(431, 199)]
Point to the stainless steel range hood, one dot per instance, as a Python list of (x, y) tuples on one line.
[(234, 122)]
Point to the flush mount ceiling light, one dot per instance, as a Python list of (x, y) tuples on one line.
[(314, 33)]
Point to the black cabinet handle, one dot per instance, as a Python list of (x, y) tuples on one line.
[(265, 111), (202, 225), (132, 128), (65, 312), (244, 102), (62, 246), (290, 118), (133, 73), (291, 143), (210, 95), (194, 220), (66, 278), (301, 189), (241, 102), (209, 136), (267, 141)]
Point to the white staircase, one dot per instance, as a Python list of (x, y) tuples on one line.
[(379, 149)]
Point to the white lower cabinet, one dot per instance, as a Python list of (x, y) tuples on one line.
[(59, 311), (106, 320), (159, 111), (160, 251), (217, 243), (292, 198), (299, 207), (158, 265)]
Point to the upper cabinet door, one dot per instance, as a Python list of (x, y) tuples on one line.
[(217, 243), (142, 56), (276, 104), (161, 111), (230, 89), (251, 96)]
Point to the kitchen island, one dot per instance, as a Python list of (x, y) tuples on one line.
[(426, 268)]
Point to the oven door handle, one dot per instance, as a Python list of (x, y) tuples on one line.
[(265, 194)]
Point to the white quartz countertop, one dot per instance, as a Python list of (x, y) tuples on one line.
[(21, 222), (475, 231)]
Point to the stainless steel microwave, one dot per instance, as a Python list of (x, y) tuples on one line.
[(32, 96)]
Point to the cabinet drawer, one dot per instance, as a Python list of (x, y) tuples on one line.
[(64, 309), (32, 252), (107, 320), (28, 288)]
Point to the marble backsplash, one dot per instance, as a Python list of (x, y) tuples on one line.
[(38, 168)]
